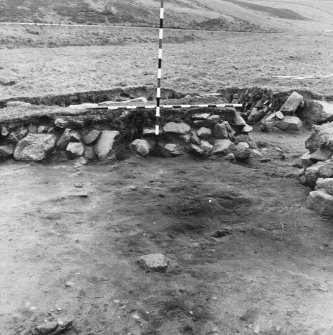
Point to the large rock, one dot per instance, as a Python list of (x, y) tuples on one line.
[(289, 123), (317, 111), (321, 155), (105, 143), (177, 128), (154, 262), (222, 146), (6, 151), (67, 136), (291, 105), (321, 202), (312, 174), (326, 170), (321, 137), (34, 147), (75, 149), (172, 149), (141, 147)]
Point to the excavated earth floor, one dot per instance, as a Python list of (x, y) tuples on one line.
[(246, 255)]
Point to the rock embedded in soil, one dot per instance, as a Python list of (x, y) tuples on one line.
[(194, 138), (154, 262), (105, 143), (74, 149), (312, 174), (204, 132), (321, 202), (289, 123), (306, 160), (326, 170), (91, 137), (68, 135), (221, 130), (89, 153), (34, 147), (291, 105), (177, 128), (61, 123), (320, 155), (18, 104), (241, 151), (172, 149), (222, 146), (141, 147)]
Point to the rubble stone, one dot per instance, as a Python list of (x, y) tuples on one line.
[(154, 262), (6, 151), (34, 147), (320, 155), (241, 151), (172, 149), (75, 149), (317, 111), (306, 160), (141, 147), (222, 146), (326, 184), (312, 174), (194, 138), (326, 170), (292, 103), (91, 137), (177, 128), (204, 132), (67, 136), (321, 202), (61, 123), (105, 143), (220, 130), (289, 123)]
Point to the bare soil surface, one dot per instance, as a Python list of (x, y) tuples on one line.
[(206, 62), (246, 256)]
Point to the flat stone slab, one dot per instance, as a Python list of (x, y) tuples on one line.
[(154, 262), (177, 128)]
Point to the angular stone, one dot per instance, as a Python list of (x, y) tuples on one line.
[(206, 146), (313, 142), (18, 104), (214, 118), (91, 137), (317, 111), (279, 115), (321, 155), (68, 135), (75, 149), (321, 136), (292, 103), (177, 128), (326, 184), (221, 130), (306, 160), (312, 174), (47, 327), (42, 129), (238, 120), (141, 147), (154, 262), (172, 149), (203, 116), (247, 129), (34, 147), (248, 139), (230, 157), (321, 202), (204, 132), (32, 128), (289, 123), (203, 150), (257, 114), (222, 146), (241, 151), (4, 131), (105, 143), (6, 151)]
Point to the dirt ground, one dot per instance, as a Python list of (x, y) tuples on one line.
[(246, 256)]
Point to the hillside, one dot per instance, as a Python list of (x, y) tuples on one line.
[(237, 15)]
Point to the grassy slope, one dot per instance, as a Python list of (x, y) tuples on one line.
[(220, 14)]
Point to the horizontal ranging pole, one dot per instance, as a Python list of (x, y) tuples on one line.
[(169, 106)]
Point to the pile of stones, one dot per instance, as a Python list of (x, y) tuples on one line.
[(317, 171)]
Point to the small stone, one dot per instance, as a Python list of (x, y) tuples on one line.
[(4, 131), (291, 105), (141, 147), (203, 116), (91, 137), (47, 327), (247, 129), (289, 123), (177, 128), (89, 153), (321, 155), (306, 160), (241, 151), (32, 128), (230, 157), (312, 174), (206, 146), (154, 262), (222, 146), (18, 104), (238, 120), (69, 284), (42, 129), (75, 149), (326, 170), (80, 162), (214, 118), (6, 151), (68, 135), (105, 143), (279, 116), (171, 149), (204, 132), (194, 138), (61, 123)]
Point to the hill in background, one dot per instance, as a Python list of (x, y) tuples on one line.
[(237, 15)]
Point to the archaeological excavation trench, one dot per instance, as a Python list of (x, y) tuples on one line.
[(80, 127)]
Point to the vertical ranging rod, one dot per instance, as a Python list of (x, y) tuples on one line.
[(159, 74)]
